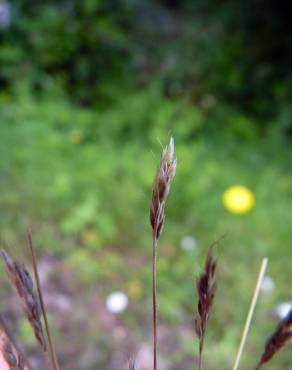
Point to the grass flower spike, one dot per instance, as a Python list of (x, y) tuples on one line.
[(10, 359), (164, 176), (281, 336), (206, 288), (22, 282)]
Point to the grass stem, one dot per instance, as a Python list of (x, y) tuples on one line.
[(201, 354), (154, 299), (251, 312)]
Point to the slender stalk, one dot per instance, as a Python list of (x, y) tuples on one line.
[(52, 351), (201, 354), (251, 312), (154, 298)]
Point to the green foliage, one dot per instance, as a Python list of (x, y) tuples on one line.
[(94, 47)]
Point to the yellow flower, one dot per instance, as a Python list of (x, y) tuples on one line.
[(238, 199)]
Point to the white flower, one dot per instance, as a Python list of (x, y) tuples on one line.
[(268, 284), (188, 243), (282, 309), (117, 302)]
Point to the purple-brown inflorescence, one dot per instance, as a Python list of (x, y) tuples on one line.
[(12, 359), (11, 356), (22, 282), (281, 336), (165, 173), (206, 288)]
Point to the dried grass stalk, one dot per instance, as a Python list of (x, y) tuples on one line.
[(281, 335), (21, 280), (251, 310), (165, 174), (206, 288)]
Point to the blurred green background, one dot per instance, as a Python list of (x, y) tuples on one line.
[(89, 90)]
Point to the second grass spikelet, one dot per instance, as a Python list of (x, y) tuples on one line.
[(21, 280)]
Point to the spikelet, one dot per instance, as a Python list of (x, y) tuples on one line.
[(277, 340), (14, 360), (11, 358), (165, 174), (206, 288), (21, 280)]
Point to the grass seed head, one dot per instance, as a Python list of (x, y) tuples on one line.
[(13, 359), (21, 280), (277, 340), (164, 176), (206, 288)]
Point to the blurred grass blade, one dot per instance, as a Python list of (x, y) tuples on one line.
[(251, 312)]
